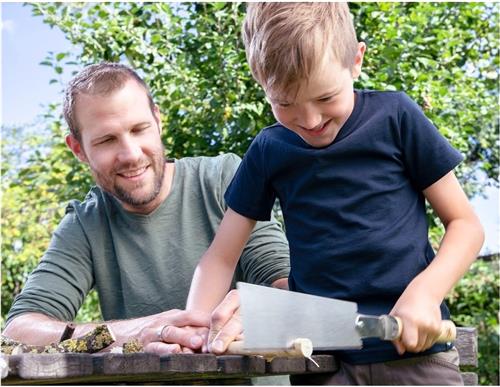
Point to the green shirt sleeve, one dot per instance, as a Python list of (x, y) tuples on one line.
[(62, 279)]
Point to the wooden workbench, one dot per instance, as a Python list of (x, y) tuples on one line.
[(143, 368)]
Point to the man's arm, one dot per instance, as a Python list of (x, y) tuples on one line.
[(166, 332)]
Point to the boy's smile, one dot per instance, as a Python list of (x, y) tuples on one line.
[(318, 107)]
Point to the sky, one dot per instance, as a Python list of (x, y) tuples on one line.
[(25, 88)]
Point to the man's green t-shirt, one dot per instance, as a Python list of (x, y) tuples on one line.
[(143, 264)]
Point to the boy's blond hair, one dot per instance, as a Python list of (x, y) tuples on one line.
[(285, 41)]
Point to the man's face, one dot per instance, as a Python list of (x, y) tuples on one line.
[(317, 109), (120, 141)]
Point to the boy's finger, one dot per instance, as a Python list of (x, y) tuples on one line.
[(228, 334), (399, 346), (223, 313)]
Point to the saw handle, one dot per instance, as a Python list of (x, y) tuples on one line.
[(299, 348), (447, 331)]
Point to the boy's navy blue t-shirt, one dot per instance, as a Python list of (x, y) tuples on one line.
[(354, 210)]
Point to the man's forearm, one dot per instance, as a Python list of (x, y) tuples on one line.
[(39, 329), (281, 283)]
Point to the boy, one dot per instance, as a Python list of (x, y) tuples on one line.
[(352, 170)]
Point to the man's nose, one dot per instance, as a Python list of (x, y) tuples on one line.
[(130, 150), (310, 117)]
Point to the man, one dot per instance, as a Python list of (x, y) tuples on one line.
[(140, 232)]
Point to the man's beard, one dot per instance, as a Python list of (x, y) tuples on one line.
[(125, 195)]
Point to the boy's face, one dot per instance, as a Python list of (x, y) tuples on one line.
[(319, 108)]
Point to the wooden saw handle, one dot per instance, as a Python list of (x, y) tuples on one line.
[(299, 348), (447, 331)]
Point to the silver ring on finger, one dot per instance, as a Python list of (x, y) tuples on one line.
[(159, 332)]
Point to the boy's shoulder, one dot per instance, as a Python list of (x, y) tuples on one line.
[(385, 95)]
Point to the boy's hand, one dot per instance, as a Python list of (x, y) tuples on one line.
[(225, 325), (421, 318)]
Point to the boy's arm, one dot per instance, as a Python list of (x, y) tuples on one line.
[(419, 305), (213, 275)]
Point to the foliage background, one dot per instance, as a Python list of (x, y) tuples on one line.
[(444, 55)]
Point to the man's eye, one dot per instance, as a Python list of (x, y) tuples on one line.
[(283, 104), (104, 141)]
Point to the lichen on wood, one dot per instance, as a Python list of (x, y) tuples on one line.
[(94, 341)]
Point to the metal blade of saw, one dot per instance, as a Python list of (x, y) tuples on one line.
[(273, 318)]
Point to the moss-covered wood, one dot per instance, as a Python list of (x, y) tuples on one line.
[(94, 341)]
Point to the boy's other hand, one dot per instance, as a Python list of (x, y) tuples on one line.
[(225, 324), (421, 317)]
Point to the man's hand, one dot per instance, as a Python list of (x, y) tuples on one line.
[(175, 331), (225, 325)]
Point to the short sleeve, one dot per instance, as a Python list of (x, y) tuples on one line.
[(427, 155), (250, 193)]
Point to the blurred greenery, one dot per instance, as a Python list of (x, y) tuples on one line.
[(444, 55), (474, 303)]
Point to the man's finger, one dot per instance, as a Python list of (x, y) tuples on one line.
[(182, 318), (162, 348), (186, 337)]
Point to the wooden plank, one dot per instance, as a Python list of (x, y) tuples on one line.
[(326, 363), (188, 363), (126, 363), (283, 365), (470, 378), (466, 344), (246, 365), (49, 366)]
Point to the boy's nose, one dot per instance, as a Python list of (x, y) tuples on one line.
[(310, 119)]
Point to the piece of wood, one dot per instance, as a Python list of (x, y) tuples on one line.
[(326, 363), (46, 366), (126, 363), (470, 379), (466, 344), (300, 347), (193, 369), (282, 365), (94, 341), (192, 363), (68, 332), (235, 364), (447, 331)]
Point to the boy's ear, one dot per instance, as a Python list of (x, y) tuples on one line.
[(76, 148), (358, 60)]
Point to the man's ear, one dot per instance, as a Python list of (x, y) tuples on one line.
[(358, 60), (76, 148), (157, 116)]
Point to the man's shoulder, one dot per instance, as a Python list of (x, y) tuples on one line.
[(93, 201), (210, 167)]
